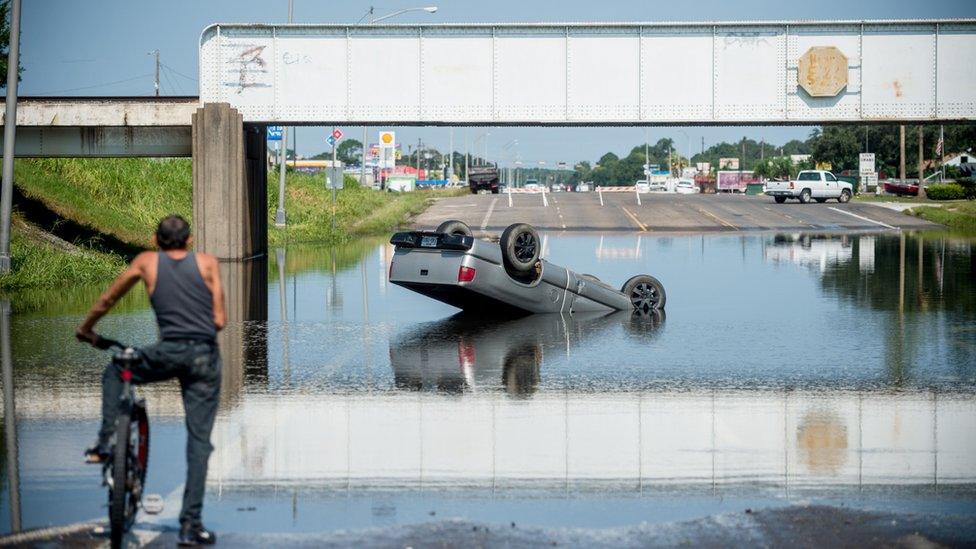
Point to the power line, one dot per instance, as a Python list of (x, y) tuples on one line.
[(178, 72), (169, 81), (95, 85)]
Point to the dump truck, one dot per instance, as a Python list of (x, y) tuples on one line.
[(483, 178)]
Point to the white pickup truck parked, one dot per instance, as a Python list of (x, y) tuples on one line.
[(818, 185)]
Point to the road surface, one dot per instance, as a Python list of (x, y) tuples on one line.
[(660, 212)]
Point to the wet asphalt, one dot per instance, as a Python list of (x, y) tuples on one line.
[(661, 212)]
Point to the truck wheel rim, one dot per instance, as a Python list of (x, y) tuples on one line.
[(644, 296), (525, 247)]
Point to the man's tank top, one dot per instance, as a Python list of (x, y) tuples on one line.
[(182, 301)]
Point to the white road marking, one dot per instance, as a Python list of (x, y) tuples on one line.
[(861, 217), (484, 222)]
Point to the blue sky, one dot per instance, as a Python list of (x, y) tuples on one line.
[(72, 47)]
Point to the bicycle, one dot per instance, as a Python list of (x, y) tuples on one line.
[(124, 472)]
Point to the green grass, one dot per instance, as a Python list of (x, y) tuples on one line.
[(871, 197), (124, 197), (957, 215), (42, 263), (359, 211)]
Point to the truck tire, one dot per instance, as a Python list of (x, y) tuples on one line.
[(520, 247), (494, 191), (645, 293), (820, 200), (805, 196), (453, 226), (845, 196), (779, 199)]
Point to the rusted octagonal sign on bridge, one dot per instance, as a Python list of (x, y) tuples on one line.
[(822, 71)]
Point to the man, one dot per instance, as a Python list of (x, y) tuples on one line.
[(185, 292)]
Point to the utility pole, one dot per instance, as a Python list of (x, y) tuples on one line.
[(921, 167), (362, 159), (418, 158), (9, 133), (647, 158), (156, 81), (450, 152), (280, 211), (941, 152), (467, 155), (742, 163), (901, 148), (334, 183)]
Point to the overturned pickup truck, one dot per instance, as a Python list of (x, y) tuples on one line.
[(450, 265)]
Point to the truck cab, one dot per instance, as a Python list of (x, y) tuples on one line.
[(819, 185)]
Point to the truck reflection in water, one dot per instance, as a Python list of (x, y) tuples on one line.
[(468, 352)]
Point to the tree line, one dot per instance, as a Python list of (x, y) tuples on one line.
[(838, 145)]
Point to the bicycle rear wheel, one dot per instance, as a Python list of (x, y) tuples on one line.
[(118, 491), (129, 460)]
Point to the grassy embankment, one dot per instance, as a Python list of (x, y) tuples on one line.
[(957, 215), (125, 198)]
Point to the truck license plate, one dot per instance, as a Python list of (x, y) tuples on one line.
[(428, 242)]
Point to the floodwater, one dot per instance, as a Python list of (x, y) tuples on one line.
[(800, 367)]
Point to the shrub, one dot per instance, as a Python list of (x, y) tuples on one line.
[(945, 191), (968, 185)]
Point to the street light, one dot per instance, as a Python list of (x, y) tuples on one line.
[(280, 218), (372, 21), (428, 9)]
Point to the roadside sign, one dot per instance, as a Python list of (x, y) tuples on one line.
[(337, 134), (869, 180), (388, 150), (728, 163), (333, 177), (331, 140), (274, 133), (866, 164)]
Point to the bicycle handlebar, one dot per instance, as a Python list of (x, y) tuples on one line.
[(105, 344)]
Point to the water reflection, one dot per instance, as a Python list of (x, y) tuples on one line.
[(469, 352), (10, 449), (244, 342), (786, 439)]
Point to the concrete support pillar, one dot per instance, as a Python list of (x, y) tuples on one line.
[(230, 214)]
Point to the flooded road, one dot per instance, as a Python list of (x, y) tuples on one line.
[(837, 368)]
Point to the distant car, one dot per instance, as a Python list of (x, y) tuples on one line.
[(557, 188), (450, 265), (658, 186), (643, 186), (819, 185), (901, 188), (685, 186), (583, 188), (532, 187)]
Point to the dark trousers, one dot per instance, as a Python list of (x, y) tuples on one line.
[(197, 366)]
